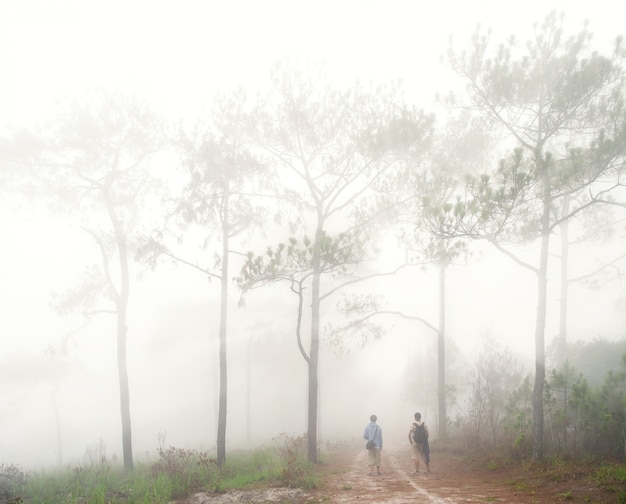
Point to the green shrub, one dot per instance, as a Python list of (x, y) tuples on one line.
[(174, 474), (296, 469), (611, 474)]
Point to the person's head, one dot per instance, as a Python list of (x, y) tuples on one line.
[(373, 418), (418, 416)]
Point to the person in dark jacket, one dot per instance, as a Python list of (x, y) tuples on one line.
[(419, 449)]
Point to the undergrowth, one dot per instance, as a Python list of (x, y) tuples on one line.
[(575, 472), (175, 473)]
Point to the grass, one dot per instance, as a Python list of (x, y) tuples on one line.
[(610, 474), (579, 477), (612, 477), (175, 474)]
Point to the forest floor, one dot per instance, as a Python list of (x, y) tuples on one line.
[(451, 480)]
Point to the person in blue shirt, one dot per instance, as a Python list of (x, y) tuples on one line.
[(374, 433)]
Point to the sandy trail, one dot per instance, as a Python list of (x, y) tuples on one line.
[(450, 482), (396, 485)]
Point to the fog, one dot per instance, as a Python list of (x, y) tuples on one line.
[(59, 399)]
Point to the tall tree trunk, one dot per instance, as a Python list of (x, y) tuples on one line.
[(561, 348), (127, 444), (441, 342), (248, 390), (223, 402), (122, 304), (57, 423), (314, 352), (540, 323)]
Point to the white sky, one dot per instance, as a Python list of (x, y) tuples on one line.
[(178, 53)]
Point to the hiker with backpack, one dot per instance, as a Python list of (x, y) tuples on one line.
[(418, 437)]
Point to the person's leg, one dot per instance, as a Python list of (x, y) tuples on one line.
[(420, 451), (415, 458), (377, 450), (427, 456)]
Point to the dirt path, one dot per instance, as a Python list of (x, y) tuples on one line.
[(450, 481), (396, 484), (346, 480)]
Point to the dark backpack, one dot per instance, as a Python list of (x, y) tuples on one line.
[(419, 434)]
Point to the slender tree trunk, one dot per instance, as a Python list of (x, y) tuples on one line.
[(124, 388), (565, 414), (57, 423), (314, 353), (223, 402), (561, 349), (441, 343), (122, 305), (540, 323), (248, 390)]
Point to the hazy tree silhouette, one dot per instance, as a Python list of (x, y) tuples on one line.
[(92, 164), (331, 148), (561, 106), (432, 187), (220, 200)]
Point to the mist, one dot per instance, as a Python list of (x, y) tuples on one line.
[(60, 397)]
